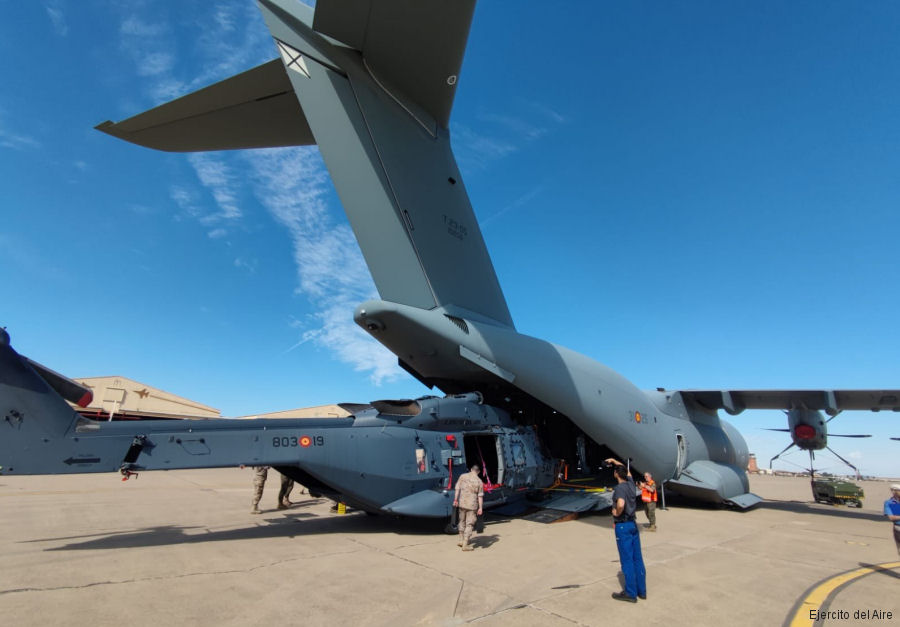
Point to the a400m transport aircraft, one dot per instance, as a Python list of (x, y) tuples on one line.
[(372, 84)]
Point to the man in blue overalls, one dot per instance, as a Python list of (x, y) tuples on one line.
[(628, 540), (892, 511)]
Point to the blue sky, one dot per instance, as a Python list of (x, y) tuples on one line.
[(698, 195)]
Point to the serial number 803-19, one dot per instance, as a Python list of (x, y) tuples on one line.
[(303, 440)]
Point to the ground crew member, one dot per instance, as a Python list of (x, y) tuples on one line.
[(260, 474), (287, 484), (469, 499), (648, 496), (628, 539), (892, 511), (259, 482)]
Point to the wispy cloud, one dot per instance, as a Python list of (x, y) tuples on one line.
[(291, 184), (215, 175), (493, 136), (17, 142), (57, 16), (14, 140), (247, 265), (475, 150), (524, 129), (186, 199), (135, 26), (156, 64), (518, 203)]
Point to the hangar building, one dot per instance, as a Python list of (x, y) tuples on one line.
[(121, 398)]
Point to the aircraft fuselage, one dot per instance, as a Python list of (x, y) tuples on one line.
[(704, 455)]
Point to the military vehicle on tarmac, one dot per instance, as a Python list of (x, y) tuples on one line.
[(836, 491)]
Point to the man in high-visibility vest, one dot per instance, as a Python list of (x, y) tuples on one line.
[(648, 496)]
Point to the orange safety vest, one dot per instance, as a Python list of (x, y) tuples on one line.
[(646, 495)]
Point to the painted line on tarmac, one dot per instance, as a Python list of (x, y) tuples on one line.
[(820, 595)]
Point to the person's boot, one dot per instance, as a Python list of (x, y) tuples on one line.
[(255, 510)]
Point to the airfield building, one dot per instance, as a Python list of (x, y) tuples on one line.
[(121, 398)]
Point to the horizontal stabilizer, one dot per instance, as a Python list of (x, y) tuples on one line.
[(70, 390), (254, 109), (354, 408), (415, 47)]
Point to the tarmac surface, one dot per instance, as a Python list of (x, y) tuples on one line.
[(180, 548)]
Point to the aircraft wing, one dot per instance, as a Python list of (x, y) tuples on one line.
[(831, 401), (255, 109)]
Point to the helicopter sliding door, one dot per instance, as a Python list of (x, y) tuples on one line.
[(483, 449)]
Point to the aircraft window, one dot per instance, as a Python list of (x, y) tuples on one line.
[(518, 453), (420, 460)]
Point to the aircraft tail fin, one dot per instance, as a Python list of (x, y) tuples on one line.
[(372, 83), (32, 409), (376, 81)]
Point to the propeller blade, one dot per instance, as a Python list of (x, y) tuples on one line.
[(837, 435), (783, 430)]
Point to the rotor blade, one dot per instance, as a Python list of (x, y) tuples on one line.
[(844, 460), (779, 454)]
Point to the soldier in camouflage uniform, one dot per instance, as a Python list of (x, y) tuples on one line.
[(260, 474), (259, 481), (287, 484), (470, 499)]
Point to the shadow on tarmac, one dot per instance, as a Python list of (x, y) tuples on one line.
[(271, 524), (818, 509), (483, 542), (879, 569), (796, 507)]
